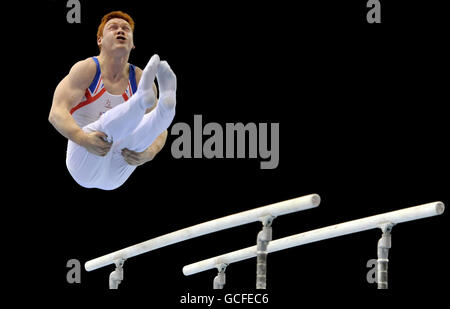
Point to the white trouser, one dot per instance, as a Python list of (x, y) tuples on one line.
[(129, 127)]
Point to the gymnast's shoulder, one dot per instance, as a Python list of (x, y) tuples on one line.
[(84, 69)]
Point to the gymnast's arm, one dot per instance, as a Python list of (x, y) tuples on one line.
[(68, 94)]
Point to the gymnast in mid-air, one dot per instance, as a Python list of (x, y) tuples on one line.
[(110, 111)]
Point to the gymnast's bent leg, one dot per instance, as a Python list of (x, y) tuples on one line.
[(151, 126), (123, 119), (160, 118)]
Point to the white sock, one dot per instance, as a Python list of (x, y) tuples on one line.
[(145, 89), (167, 85)]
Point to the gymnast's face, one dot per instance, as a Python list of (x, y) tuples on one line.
[(117, 35)]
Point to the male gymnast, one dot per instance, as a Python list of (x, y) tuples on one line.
[(109, 111)]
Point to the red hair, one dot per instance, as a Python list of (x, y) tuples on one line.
[(115, 14)]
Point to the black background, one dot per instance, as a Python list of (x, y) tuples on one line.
[(363, 123)]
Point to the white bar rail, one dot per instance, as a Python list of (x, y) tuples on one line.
[(359, 225), (257, 214)]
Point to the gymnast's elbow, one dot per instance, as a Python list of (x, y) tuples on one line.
[(56, 116), (53, 116)]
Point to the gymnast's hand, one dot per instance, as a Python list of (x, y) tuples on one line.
[(95, 143), (137, 158)]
